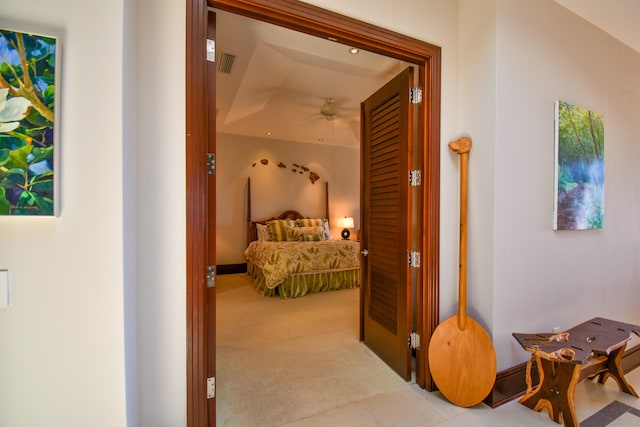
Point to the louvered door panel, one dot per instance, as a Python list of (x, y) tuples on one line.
[(386, 144)]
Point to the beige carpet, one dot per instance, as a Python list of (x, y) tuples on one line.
[(283, 360)]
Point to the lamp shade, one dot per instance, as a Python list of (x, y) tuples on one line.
[(346, 222)]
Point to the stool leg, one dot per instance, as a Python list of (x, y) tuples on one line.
[(556, 391), (614, 370)]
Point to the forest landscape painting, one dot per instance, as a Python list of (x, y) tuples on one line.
[(29, 71), (579, 168)]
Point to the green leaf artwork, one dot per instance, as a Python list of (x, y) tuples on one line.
[(28, 67), (579, 184)]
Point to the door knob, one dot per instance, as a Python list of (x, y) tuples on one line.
[(365, 252)]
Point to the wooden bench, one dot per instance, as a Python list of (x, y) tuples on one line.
[(591, 349)]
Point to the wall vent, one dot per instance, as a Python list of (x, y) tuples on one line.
[(225, 63)]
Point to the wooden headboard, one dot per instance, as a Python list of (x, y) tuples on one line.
[(252, 231)]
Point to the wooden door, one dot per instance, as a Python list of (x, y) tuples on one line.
[(386, 150), (210, 340)]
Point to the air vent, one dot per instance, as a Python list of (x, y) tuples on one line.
[(226, 62)]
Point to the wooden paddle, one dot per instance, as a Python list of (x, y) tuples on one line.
[(461, 355)]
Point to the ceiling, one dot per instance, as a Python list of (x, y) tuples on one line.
[(616, 17), (280, 79)]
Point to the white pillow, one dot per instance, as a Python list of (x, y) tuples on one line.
[(263, 233), (327, 231)]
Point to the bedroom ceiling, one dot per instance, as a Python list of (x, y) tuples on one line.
[(280, 79)]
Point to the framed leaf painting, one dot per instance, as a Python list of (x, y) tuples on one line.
[(579, 168), (29, 76)]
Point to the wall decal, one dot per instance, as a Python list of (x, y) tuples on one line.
[(295, 168), (579, 168)]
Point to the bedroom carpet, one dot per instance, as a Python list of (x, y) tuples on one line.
[(281, 360)]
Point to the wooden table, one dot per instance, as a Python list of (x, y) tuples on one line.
[(593, 348)]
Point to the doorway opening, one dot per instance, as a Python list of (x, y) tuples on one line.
[(272, 86), (321, 23)]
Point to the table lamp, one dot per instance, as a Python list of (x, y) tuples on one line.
[(346, 223)]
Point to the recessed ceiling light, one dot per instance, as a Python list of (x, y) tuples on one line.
[(354, 50), (269, 133)]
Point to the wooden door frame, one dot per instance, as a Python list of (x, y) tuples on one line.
[(319, 22)]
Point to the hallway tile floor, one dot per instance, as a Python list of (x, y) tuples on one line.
[(412, 406)]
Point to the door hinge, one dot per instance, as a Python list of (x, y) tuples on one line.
[(415, 178), (211, 276), (414, 340), (414, 259), (211, 163), (211, 387), (415, 95), (211, 50)]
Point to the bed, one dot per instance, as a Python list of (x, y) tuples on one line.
[(290, 255)]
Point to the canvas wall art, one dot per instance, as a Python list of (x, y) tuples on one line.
[(29, 73), (579, 168)]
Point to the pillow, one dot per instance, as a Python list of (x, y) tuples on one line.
[(310, 222), (307, 234), (278, 229), (263, 233)]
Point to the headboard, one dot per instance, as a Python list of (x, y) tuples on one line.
[(252, 231)]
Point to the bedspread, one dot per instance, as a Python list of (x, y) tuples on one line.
[(279, 260)]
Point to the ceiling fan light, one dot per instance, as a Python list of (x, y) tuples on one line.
[(328, 109)]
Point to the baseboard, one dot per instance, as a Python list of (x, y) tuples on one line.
[(631, 359), (511, 383), (231, 269)]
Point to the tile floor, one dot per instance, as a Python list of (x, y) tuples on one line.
[(405, 404), (412, 406)]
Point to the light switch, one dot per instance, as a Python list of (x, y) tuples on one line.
[(4, 289)]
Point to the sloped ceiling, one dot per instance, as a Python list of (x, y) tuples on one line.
[(280, 80), (617, 17)]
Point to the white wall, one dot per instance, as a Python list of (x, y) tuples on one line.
[(544, 278), (275, 189), (129, 211), (63, 340), (477, 119), (161, 213), (62, 357)]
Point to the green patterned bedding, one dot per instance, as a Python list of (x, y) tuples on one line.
[(298, 285), (278, 261)]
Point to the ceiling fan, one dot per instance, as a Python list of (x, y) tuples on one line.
[(329, 109)]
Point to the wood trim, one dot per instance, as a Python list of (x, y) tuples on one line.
[(429, 292), (511, 383), (210, 226), (631, 359), (231, 269), (196, 220), (322, 23), (316, 21)]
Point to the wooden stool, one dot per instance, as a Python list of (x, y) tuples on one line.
[(591, 349)]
